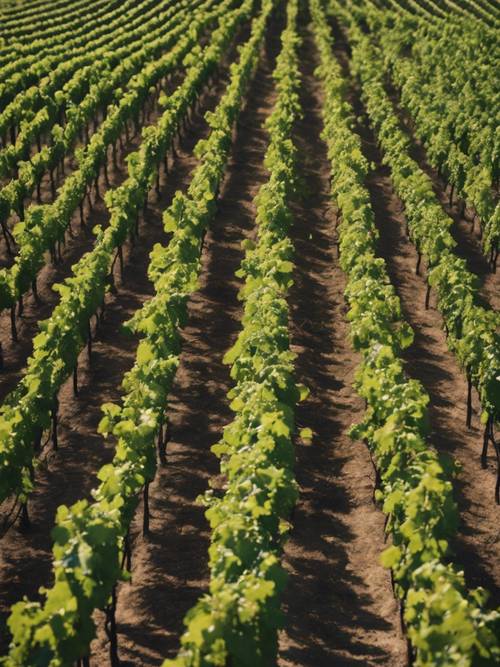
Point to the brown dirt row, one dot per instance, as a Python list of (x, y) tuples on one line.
[(69, 474), (339, 604), (477, 546), (170, 567)]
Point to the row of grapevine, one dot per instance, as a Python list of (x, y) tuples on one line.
[(29, 68), (421, 7), (33, 11), (12, 9), (471, 329), (413, 8), (90, 100), (67, 85), (46, 23), (139, 71), (45, 225), (236, 621), (474, 10), (479, 46), (438, 12), (50, 42), (32, 407), (489, 7), (447, 624), (450, 110), (68, 82), (92, 536)]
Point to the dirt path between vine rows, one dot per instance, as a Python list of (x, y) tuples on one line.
[(69, 474), (339, 604), (477, 546), (170, 566)]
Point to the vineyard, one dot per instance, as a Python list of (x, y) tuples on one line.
[(249, 333)]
